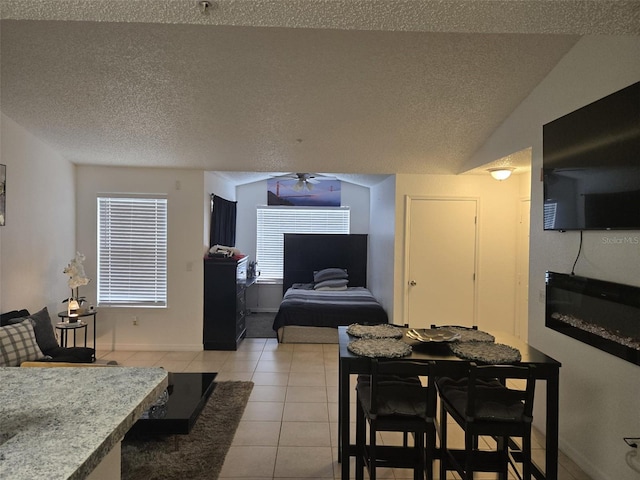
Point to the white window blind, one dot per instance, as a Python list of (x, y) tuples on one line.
[(273, 222), (132, 251)]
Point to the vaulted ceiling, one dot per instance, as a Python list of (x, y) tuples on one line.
[(351, 86)]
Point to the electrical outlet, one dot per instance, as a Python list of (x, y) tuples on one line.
[(135, 321)]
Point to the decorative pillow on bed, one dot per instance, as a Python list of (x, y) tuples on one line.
[(340, 283), (334, 289), (329, 274), (18, 344)]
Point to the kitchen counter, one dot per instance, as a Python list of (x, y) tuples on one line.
[(60, 423)]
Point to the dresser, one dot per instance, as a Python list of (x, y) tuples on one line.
[(225, 284)]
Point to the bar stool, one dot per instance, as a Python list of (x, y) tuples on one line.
[(483, 404), (389, 402)]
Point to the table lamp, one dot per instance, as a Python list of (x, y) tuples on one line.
[(72, 310)]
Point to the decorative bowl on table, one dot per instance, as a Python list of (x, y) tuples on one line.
[(432, 335)]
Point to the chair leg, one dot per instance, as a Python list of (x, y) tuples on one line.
[(470, 441), (505, 453), (372, 451), (526, 456), (360, 442), (418, 447), (430, 449), (443, 443)]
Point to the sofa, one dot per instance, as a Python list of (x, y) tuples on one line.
[(26, 337)]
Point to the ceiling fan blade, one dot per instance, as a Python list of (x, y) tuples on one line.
[(286, 176), (305, 177), (298, 186), (318, 177)]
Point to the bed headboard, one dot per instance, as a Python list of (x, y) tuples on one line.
[(305, 253)]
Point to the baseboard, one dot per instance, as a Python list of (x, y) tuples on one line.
[(262, 310)]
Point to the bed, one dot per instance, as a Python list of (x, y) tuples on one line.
[(311, 315)]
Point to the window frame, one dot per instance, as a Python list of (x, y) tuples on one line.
[(271, 269)]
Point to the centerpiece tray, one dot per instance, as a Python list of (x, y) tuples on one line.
[(432, 335)]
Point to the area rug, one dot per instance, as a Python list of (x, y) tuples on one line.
[(201, 453), (260, 325)]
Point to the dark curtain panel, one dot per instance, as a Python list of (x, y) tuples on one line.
[(223, 222)]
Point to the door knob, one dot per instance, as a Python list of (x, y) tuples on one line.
[(413, 283)]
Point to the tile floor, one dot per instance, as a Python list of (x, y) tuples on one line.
[(289, 427)]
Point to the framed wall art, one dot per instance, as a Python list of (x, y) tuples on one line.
[(304, 189)]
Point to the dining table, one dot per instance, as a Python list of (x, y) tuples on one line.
[(546, 370)]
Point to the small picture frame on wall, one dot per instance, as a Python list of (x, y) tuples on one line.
[(3, 193)]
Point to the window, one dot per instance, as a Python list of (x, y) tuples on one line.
[(132, 251), (274, 222)]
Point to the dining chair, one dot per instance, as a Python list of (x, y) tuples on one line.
[(494, 401), (389, 400)]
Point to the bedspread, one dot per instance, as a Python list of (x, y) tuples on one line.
[(322, 308)]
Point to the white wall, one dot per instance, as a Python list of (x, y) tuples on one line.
[(38, 240), (179, 326), (599, 393), (382, 219), (497, 220), (250, 196)]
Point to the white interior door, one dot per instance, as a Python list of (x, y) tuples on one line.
[(441, 262)]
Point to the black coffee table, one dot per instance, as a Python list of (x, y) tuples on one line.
[(188, 394)]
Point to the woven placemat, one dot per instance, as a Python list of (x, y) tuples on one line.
[(379, 347), (383, 330), (471, 334), (486, 352)]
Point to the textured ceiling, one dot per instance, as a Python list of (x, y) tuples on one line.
[(344, 86)]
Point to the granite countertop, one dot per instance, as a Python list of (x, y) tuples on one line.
[(59, 423)]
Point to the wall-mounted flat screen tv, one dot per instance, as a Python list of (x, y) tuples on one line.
[(591, 165)]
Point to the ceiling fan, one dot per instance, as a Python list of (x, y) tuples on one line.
[(304, 180)]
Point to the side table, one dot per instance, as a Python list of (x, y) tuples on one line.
[(64, 328), (65, 325)]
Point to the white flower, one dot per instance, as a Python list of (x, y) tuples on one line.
[(75, 270)]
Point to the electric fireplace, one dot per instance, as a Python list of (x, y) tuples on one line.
[(602, 314)]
